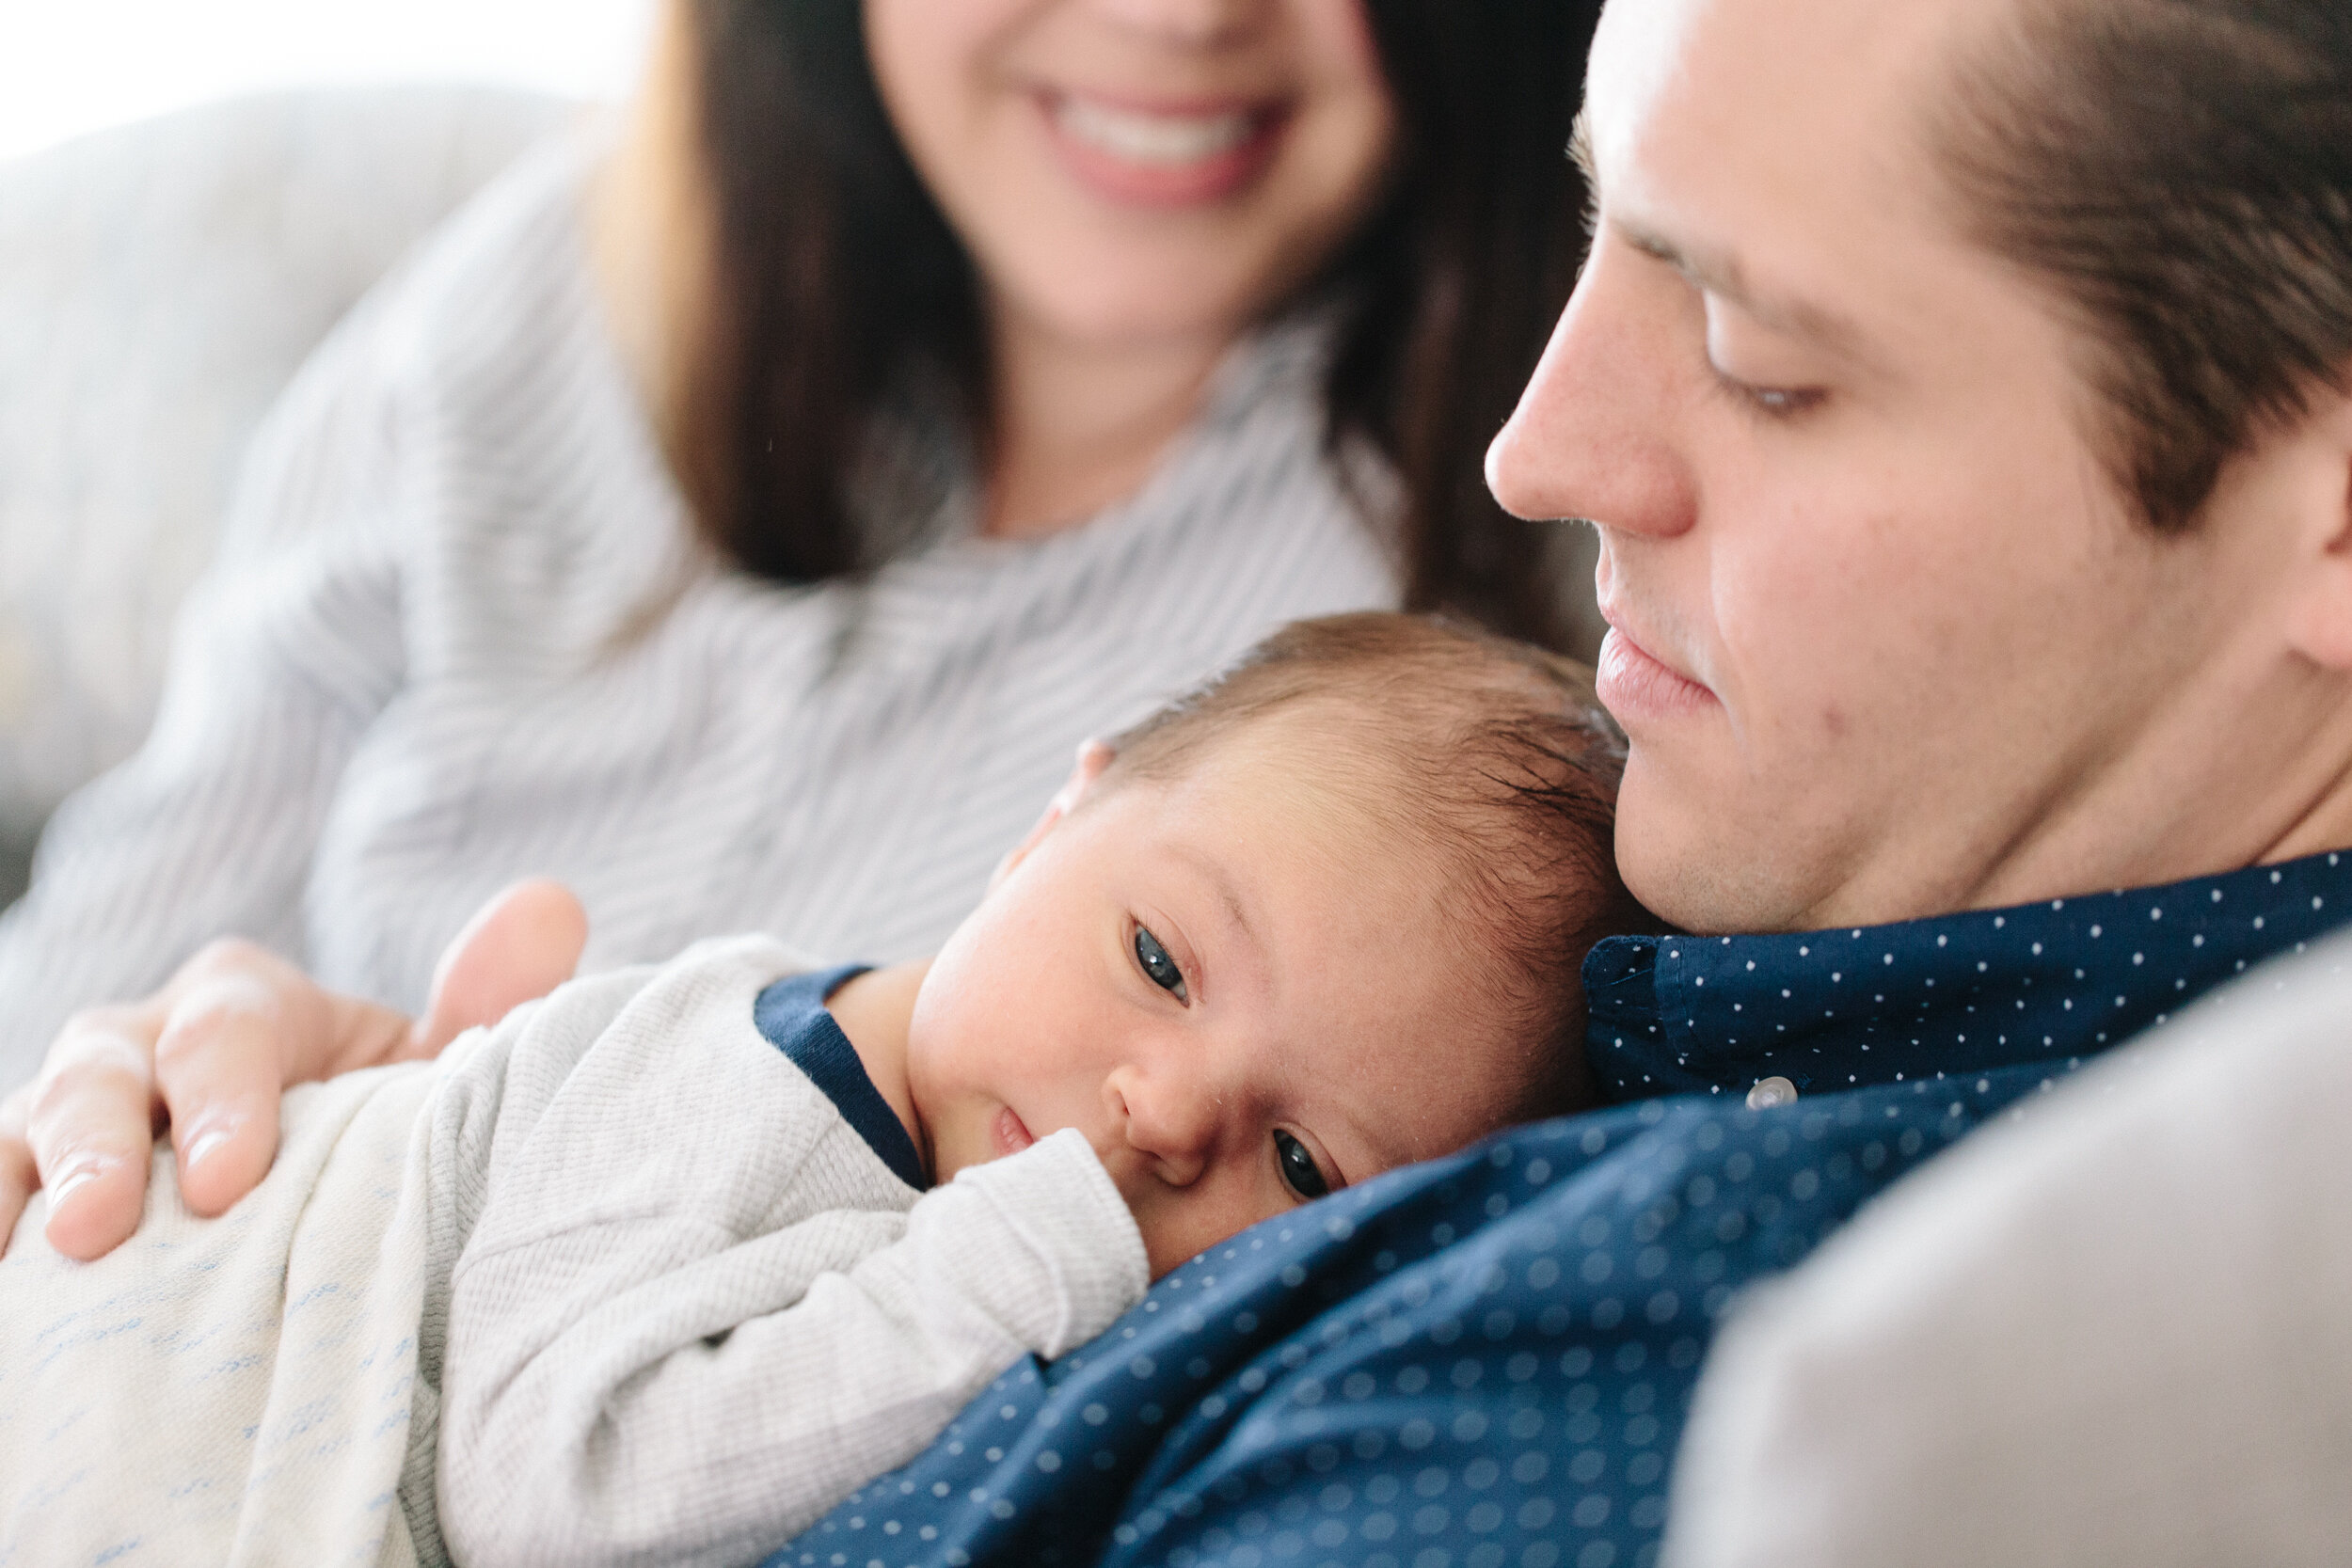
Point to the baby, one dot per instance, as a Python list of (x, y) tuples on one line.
[(662, 1266)]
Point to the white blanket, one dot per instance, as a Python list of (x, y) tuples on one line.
[(252, 1402)]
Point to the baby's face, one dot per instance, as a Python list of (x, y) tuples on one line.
[(1242, 992)]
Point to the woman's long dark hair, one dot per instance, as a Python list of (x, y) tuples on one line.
[(834, 274)]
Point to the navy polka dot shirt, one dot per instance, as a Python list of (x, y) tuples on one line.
[(1484, 1362)]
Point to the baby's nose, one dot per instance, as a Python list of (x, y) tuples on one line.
[(1170, 1119)]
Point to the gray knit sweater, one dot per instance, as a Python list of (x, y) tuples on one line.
[(463, 632)]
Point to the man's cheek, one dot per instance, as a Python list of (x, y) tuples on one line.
[(1809, 663)]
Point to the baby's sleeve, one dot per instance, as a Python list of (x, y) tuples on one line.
[(696, 1310)]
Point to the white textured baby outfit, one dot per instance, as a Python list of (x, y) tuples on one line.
[(618, 1261)]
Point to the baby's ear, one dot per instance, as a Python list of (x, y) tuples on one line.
[(1093, 757)]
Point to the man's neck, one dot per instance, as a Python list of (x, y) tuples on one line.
[(2326, 825), (2254, 776), (2276, 799), (873, 1011)]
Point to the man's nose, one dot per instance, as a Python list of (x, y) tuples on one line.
[(1595, 434), (1168, 1116)]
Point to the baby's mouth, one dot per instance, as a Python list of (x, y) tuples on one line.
[(1013, 1133)]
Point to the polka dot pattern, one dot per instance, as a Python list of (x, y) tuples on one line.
[(2049, 982), (1485, 1361), (1485, 1354)]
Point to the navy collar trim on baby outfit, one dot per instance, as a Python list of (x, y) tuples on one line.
[(2052, 982), (791, 1014)]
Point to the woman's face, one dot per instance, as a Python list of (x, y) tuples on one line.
[(1131, 171)]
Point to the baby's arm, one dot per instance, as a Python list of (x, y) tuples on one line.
[(696, 1314)]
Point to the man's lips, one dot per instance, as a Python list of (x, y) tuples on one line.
[(1635, 685), (1013, 1134), (1162, 154)]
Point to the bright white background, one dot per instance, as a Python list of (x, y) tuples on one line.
[(70, 66)]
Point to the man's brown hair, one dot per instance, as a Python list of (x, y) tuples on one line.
[(1490, 758), (2180, 173)]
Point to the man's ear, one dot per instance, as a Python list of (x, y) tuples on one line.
[(1093, 757), (2320, 624)]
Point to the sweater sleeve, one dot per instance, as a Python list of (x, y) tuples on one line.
[(279, 663), (696, 1310)]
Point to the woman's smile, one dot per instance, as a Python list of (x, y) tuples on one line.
[(1127, 177), (1162, 154)]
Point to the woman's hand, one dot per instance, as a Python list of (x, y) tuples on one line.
[(209, 1055)]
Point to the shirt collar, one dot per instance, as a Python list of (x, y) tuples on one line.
[(2054, 981)]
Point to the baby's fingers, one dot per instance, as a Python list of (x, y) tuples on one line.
[(220, 1066), (90, 1124)]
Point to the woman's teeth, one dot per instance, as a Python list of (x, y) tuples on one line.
[(1144, 137)]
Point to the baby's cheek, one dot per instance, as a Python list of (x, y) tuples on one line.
[(1178, 1225)]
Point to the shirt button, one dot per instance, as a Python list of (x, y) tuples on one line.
[(1772, 1093)]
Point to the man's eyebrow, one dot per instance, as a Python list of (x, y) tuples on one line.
[(1718, 273)]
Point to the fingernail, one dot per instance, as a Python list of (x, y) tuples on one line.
[(75, 1178), (203, 1146)]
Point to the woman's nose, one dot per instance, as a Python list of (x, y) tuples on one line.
[(1593, 435), (1168, 1118), (1195, 23)]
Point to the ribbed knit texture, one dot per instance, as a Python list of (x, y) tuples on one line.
[(611, 1283), (463, 632), (693, 1308)]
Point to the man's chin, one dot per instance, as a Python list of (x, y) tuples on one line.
[(1692, 862)]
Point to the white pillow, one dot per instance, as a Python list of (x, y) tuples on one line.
[(158, 284)]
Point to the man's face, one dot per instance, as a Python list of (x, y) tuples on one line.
[(1887, 640)]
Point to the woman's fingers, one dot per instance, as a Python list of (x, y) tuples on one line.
[(521, 945), (221, 1061), (17, 1174), (240, 1026), (90, 1121), (210, 1054)]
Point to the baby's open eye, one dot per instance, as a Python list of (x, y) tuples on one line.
[(1299, 1171), (1158, 967)]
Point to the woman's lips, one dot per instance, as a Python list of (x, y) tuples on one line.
[(1162, 155), (1013, 1133), (1634, 687)]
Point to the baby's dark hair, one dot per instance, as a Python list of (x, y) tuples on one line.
[(1490, 756)]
